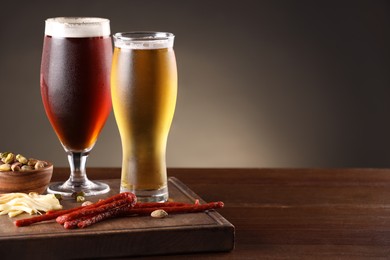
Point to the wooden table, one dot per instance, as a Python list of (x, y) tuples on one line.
[(299, 213)]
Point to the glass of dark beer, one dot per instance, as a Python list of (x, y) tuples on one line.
[(75, 90), (144, 90)]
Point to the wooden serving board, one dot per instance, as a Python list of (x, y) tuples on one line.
[(129, 236)]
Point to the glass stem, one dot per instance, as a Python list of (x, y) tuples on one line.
[(77, 163)]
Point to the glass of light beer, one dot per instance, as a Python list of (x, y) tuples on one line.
[(75, 90), (144, 90)]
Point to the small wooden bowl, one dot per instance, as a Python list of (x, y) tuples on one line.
[(26, 181)]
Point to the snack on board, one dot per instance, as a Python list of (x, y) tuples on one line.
[(14, 204), (11, 162), (20, 174), (120, 205)]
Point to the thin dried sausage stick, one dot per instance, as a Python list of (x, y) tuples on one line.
[(128, 211), (160, 204), (35, 219), (93, 211), (115, 212), (182, 209), (73, 223), (40, 218), (130, 200), (100, 202), (54, 214)]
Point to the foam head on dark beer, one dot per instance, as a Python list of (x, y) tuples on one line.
[(77, 27)]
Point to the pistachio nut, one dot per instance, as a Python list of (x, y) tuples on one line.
[(9, 161), (76, 194), (80, 198), (26, 168), (32, 162), (20, 158), (5, 167), (159, 213), (86, 203), (16, 166), (9, 158), (3, 155), (39, 165)]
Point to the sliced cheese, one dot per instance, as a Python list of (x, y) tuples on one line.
[(14, 204)]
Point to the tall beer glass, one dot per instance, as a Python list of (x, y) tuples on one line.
[(143, 90), (75, 90)]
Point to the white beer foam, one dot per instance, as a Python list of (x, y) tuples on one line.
[(144, 40), (77, 27)]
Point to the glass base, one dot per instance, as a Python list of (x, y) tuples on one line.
[(89, 188), (160, 195)]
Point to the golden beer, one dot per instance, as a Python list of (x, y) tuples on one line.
[(144, 90)]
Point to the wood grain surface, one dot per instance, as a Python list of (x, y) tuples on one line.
[(300, 213), (292, 213), (127, 236)]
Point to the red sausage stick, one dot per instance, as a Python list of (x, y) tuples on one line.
[(123, 204), (130, 201), (111, 213), (160, 204), (73, 223), (54, 214), (188, 208), (40, 218), (98, 203), (129, 211)]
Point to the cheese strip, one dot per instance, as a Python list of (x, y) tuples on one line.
[(14, 204)]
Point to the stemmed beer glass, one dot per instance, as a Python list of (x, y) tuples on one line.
[(75, 90)]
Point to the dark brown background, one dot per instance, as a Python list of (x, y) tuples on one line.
[(261, 83)]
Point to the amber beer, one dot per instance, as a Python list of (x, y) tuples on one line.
[(75, 90), (75, 87), (144, 90)]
